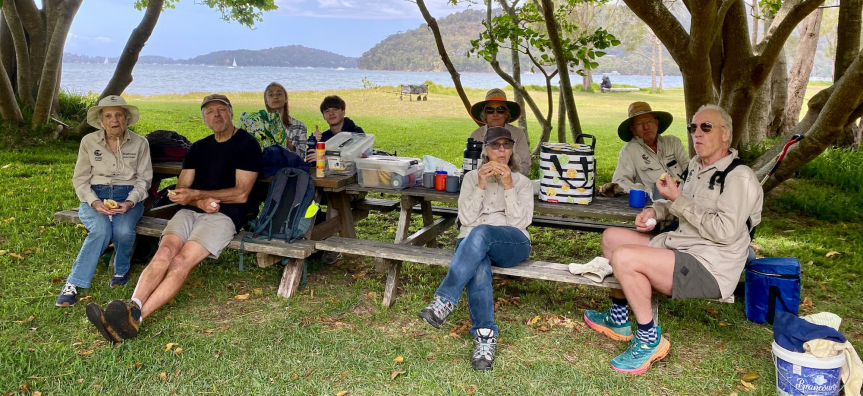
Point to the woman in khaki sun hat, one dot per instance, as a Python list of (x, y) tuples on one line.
[(111, 178), (496, 111), (648, 153)]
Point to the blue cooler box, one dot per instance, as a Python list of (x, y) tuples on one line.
[(772, 278)]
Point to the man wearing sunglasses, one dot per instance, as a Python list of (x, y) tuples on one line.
[(703, 258), (648, 153), (496, 111)]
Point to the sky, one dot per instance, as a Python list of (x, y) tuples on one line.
[(346, 27)]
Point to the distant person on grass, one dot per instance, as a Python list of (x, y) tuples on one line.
[(703, 258), (647, 153), (495, 206), (606, 84), (111, 178), (496, 111), (218, 174)]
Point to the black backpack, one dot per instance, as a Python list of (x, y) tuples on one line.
[(167, 145)]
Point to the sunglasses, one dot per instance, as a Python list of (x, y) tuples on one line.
[(496, 145), (706, 127), (499, 109)]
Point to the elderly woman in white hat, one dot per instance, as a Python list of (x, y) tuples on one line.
[(496, 111), (111, 178)]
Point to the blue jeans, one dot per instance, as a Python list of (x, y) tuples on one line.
[(102, 231), (486, 245)]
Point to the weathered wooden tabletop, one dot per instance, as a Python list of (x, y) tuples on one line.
[(173, 168)]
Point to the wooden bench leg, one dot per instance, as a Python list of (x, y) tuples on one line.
[(291, 277), (654, 306), (428, 219), (392, 285), (392, 267), (267, 260)]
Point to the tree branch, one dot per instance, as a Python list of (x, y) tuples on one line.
[(565, 84), (783, 24), (664, 25), (848, 35), (48, 85), (720, 19), (22, 52)]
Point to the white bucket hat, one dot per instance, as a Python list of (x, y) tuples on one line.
[(109, 101)]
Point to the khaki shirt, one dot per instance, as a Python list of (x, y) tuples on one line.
[(713, 225), (638, 167), (494, 205), (521, 149), (97, 164)]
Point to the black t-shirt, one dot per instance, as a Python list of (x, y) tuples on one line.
[(216, 166)]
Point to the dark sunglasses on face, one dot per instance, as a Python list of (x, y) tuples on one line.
[(706, 127), (499, 109), (496, 145)]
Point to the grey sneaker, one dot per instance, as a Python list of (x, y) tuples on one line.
[(68, 296), (330, 258), (436, 312), (483, 351)]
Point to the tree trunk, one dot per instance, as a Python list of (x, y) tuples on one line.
[(587, 81), (759, 118), (516, 74), (798, 77), (561, 117), (652, 66), (562, 67), (66, 11), (659, 49), (848, 35), (22, 58), (456, 78), (9, 110), (7, 50), (779, 92), (755, 19)]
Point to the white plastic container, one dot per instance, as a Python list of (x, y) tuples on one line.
[(395, 173), (343, 150), (803, 374)]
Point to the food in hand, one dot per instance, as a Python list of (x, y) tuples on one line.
[(664, 175), (494, 172), (213, 204), (172, 193), (111, 204), (650, 222)]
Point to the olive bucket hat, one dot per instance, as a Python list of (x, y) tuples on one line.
[(636, 109), (94, 112), (495, 95)]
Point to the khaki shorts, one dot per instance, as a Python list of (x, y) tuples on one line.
[(691, 279), (212, 231)]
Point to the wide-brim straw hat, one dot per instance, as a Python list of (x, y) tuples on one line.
[(109, 101), (495, 95), (636, 109)]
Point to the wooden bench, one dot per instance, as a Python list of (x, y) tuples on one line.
[(604, 90), (268, 252)]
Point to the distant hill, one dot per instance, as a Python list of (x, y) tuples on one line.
[(288, 56), (415, 50)]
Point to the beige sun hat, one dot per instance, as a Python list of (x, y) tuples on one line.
[(109, 101)]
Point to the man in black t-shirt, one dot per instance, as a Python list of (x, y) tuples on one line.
[(212, 191)]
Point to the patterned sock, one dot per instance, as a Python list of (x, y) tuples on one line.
[(647, 332), (619, 311), (137, 302)]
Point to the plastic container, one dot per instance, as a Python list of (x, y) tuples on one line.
[(440, 180), (396, 173), (320, 163), (801, 374), (344, 149)]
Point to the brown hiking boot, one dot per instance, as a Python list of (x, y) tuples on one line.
[(124, 316), (97, 318)]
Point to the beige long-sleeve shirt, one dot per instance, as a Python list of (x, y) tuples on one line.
[(97, 164), (638, 167), (521, 148), (494, 205), (713, 225)]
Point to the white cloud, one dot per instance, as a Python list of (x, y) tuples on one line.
[(363, 9)]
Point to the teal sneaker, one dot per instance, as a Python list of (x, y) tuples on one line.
[(601, 322), (640, 355)]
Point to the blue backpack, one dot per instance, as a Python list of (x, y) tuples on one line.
[(286, 213)]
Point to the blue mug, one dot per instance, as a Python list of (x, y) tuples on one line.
[(637, 198)]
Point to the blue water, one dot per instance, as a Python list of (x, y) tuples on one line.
[(168, 79)]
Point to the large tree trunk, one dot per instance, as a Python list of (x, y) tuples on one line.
[(516, 74), (659, 50), (652, 66), (65, 12), (798, 77), (755, 18), (779, 92), (26, 91), (848, 44), (456, 78), (8, 107), (587, 81), (7, 49), (562, 67), (759, 118), (561, 117)]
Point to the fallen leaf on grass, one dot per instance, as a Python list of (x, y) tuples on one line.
[(84, 352), (3, 252), (178, 351), (31, 350), (57, 280), (24, 386), (7, 165), (86, 298), (136, 365), (37, 393), (28, 320), (295, 377), (807, 303), (373, 295), (239, 297), (396, 374), (749, 377), (746, 386), (17, 256), (79, 380), (810, 262), (723, 324), (342, 393), (218, 355), (542, 328), (211, 331), (309, 372), (399, 359), (532, 321), (712, 312), (163, 376), (258, 291), (28, 252), (832, 253), (170, 345)]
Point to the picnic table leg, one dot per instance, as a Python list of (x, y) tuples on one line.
[(428, 219), (395, 266), (342, 202), (267, 260)]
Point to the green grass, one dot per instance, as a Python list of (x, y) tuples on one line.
[(336, 335)]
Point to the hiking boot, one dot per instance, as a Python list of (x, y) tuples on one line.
[(124, 316), (601, 322), (68, 296), (97, 318), (640, 355), (330, 258), (119, 280), (483, 350), (436, 312)]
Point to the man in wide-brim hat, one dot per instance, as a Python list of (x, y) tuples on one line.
[(648, 153), (496, 111)]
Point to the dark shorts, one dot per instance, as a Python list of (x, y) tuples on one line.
[(691, 279)]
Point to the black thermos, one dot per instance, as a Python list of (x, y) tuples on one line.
[(472, 155)]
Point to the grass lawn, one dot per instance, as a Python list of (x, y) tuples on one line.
[(336, 336)]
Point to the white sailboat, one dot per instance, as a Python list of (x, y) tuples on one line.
[(234, 66), (105, 62)]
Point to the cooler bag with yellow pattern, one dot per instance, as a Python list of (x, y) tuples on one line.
[(568, 172)]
